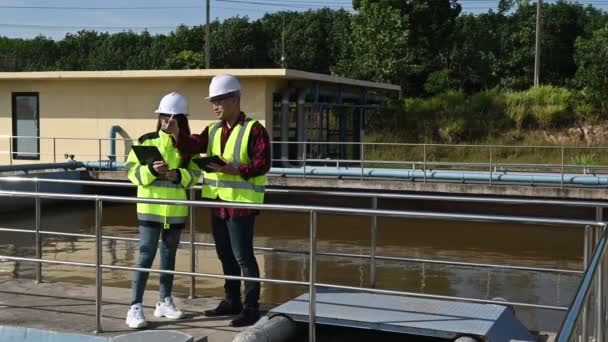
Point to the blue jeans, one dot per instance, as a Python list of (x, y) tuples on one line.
[(147, 251), (234, 245)]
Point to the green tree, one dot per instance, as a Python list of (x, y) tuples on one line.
[(380, 50), (314, 40), (186, 59), (592, 73)]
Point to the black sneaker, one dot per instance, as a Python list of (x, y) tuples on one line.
[(247, 317), (224, 308)]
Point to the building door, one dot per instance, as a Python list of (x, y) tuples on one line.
[(26, 126)]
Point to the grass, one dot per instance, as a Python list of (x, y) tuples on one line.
[(509, 153)]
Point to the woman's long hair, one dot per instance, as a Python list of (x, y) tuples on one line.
[(184, 131)]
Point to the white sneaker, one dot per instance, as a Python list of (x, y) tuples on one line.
[(168, 309), (135, 317)]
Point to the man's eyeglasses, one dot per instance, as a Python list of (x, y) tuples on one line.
[(219, 99)]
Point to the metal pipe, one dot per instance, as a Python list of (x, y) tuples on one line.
[(54, 150), (69, 165), (312, 278), (372, 272), (98, 263), (192, 247), (113, 130), (471, 176), (568, 326), (38, 240)]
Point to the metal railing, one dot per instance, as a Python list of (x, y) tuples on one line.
[(374, 197), (587, 317), (313, 211), (423, 159)]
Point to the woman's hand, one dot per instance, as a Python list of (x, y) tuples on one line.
[(228, 168), (170, 126), (172, 175), (160, 167)]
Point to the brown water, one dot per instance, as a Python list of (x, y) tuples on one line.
[(528, 245)]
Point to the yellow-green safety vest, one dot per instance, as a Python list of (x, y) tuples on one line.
[(151, 186), (232, 188)]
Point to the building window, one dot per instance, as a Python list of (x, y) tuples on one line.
[(26, 126)]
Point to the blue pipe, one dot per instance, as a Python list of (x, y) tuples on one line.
[(69, 165), (113, 130), (443, 175), (354, 172), (104, 165)]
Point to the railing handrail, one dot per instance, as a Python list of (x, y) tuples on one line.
[(342, 143), (313, 211), (294, 282), (309, 208), (381, 195)]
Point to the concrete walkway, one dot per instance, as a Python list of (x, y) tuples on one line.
[(71, 308)]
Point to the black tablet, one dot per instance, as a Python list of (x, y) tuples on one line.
[(204, 162), (147, 154)]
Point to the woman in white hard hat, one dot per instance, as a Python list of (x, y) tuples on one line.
[(167, 179), (244, 144)]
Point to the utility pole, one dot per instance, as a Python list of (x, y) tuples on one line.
[(283, 43), (539, 5), (207, 37)]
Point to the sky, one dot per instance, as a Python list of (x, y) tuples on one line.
[(30, 18)]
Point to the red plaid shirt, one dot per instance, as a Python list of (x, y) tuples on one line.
[(258, 149)]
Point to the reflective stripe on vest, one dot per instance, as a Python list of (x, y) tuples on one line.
[(165, 214), (233, 184), (161, 219), (232, 188)]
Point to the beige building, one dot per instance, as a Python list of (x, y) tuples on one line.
[(46, 115)]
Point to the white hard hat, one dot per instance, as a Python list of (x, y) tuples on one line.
[(173, 103), (222, 85)]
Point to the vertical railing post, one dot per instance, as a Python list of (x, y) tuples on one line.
[(562, 169), (491, 163), (192, 246), (312, 278), (99, 160), (588, 250), (362, 158), (38, 240), (372, 254), (304, 156), (54, 150), (98, 262), (424, 162), (10, 150), (599, 284)]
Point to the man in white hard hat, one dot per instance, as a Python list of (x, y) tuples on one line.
[(244, 145)]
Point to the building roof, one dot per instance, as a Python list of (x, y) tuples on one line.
[(197, 73)]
